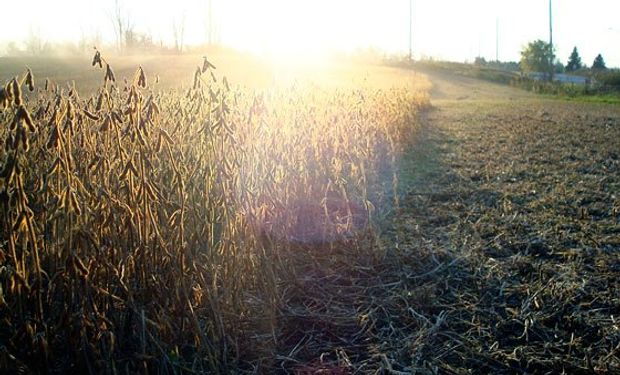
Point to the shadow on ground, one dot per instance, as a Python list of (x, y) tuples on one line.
[(501, 256)]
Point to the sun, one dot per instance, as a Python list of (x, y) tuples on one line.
[(284, 31)]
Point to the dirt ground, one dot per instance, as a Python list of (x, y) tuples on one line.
[(523, 200), (503, 256)]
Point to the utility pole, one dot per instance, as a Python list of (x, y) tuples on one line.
[(550, 42), (410, 29)]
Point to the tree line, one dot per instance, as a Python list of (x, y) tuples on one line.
[(127, 37), (539, 56)]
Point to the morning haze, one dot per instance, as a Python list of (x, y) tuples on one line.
[(309, 187)]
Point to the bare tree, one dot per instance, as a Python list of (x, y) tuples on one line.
[(132, 38), (88, 40), (34, 42), (123, 29), (178, 33)]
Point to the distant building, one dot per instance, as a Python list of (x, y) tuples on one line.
[(576, 80), (563, 78)]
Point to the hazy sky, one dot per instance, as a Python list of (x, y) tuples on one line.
[(450, 29)]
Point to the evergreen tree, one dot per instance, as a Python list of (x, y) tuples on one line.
[(574, 61), (599, 63)]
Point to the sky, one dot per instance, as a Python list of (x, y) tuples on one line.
[(444, 29)]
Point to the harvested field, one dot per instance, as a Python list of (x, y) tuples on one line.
[(504, 256), (480, 234)]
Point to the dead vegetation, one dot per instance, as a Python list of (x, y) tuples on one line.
[(217, 230), (149, 231), (521, 219)]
